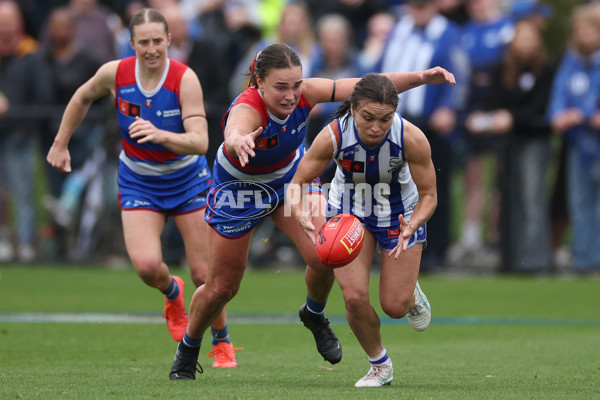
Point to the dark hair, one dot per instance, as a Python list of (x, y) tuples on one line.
[(275, 56), (513, 64), (147, 15), (373, 87)]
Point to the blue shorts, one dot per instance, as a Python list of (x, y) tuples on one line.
[(387, 237), (130, 200), (235, 208)]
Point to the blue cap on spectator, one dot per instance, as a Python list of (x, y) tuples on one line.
[(525, 8)]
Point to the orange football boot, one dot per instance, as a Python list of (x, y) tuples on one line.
[(174, 313), (224, 354)]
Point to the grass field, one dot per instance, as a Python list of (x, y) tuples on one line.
[(96, 333)]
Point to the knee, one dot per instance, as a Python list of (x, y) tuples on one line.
[(198, 278), (148, 268), (222, 293), (396, 308), (356, 304)]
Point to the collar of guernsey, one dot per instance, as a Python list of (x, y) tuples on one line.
[(275, 170)]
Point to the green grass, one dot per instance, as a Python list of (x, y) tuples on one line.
[(491, 338)]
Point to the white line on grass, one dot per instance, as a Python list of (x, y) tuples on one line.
[(270, 318)]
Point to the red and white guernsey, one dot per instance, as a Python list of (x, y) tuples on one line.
[(170, 179)]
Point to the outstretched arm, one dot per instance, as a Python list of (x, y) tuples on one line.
[(312, 165), (243, 126), (100, 85), (319, 90)]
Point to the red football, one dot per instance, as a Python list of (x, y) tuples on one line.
[(339, 241)]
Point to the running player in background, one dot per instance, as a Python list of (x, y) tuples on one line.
[(386, 178), (264, 131), (162, 169)]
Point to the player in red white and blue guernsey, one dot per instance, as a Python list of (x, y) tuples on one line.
[(264, 130), (162, 168), (386, 178)]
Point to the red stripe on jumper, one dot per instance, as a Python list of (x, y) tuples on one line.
[(148, 154), (259, 169)]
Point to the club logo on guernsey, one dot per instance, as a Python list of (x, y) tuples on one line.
[(129, 109), (267, 143), (395, 163), (353, 166), (256, 199)]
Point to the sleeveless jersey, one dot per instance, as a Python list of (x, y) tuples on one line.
[(170, 178), (279, 147), (373, 184), (242, 196)]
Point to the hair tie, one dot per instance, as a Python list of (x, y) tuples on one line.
[(253, 65)]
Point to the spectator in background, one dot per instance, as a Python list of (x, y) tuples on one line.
[(357, 12), (454, 10), (516, 107), (423, 39), (47, 79), (378, 29), (484, 38), (295, 30), (335, 58), (575, 114), (192, 25), (92, 31), (123, 48), (17, 152), (532, 11)]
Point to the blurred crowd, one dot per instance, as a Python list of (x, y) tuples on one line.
[(516, 143)]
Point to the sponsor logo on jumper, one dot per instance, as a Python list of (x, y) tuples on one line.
[(149, 103), (171, 113), (300, 127)]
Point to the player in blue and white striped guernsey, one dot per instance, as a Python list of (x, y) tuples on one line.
[(386, 178)]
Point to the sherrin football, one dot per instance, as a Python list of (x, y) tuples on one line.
[(339, 241)]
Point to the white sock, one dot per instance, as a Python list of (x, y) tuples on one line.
[(380, 358)]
